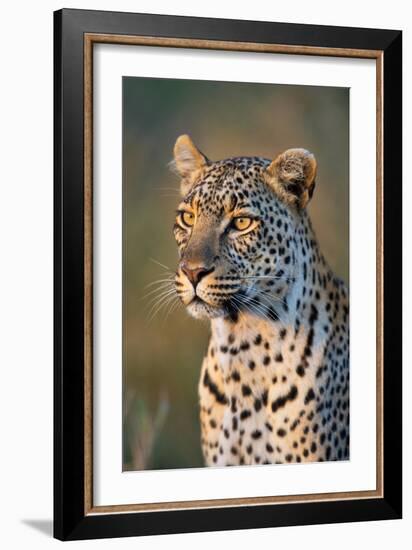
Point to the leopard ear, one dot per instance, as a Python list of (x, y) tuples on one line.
[(188, 161), (292, 176)]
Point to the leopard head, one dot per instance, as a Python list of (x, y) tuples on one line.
[(236, 229)]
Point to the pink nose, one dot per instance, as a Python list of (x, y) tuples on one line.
[(195, 274)]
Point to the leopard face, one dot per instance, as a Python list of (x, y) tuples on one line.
[(235, 240), (235, 230)]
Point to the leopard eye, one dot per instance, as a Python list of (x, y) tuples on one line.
[(187, 218), (242, 223)]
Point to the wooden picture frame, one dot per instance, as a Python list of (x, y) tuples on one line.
[(76, 33)]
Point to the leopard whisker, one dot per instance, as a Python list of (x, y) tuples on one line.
[(267, 305), (168, 279), (160, 288), (160, 264), (160, 305), (158, 292), (237, 308), (272, 303), (159, 299), (269, 295), (258, 310), (172, 308), (270, 277), (252, 307)]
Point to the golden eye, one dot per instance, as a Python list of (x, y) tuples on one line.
[(188, 218), (241, 224)]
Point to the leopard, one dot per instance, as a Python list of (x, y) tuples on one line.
[(274, 382)]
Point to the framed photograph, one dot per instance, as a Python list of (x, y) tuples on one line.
[(227, 274)]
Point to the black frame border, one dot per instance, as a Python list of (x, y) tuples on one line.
[(70, 521)]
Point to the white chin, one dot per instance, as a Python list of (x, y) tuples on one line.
[(201, 310)]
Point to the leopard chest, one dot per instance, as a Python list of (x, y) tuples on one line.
[(261, 414)]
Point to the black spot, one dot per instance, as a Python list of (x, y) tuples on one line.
[(281, 432), (313, 314), (252, 365), (269, 448), (258, 340), (256, 434), (236, 376), (300, 370), (266, 360), (279, 358), (214, 390), (294, 424), (232, 313), (283, 399), (245, 414), (233, 406), (246, 390), (257, 405), (309, 396)]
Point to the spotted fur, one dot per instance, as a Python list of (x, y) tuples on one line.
[(274, 385)]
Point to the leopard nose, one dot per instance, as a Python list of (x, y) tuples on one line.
[(195, 274)]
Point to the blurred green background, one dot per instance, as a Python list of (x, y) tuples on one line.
[(162, 356)]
